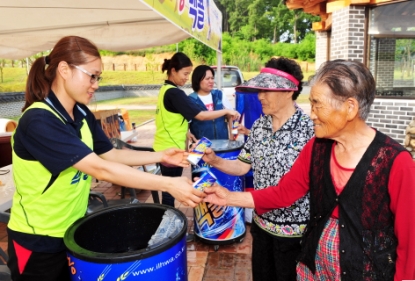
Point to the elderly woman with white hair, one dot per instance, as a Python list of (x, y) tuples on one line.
[(274, 142), (361, 184)]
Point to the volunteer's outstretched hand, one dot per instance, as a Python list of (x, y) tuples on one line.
[(191, 137), (175, 157), (181, 188)]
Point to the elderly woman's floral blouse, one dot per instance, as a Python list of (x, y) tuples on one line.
[(271, 155)]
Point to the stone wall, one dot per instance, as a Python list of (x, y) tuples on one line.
[(348, 33), (392, 117)]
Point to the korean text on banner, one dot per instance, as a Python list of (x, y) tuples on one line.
[(200, 18)]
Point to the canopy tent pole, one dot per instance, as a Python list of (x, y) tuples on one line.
[(219, 70)]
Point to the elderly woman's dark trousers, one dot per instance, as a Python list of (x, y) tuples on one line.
[(273, 259)]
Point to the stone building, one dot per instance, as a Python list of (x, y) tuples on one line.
[(380, 34)]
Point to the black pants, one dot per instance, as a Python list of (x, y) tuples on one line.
[(166, 198), (39, 267), (273, 259)]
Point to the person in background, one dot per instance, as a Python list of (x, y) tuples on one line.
[(273, 144), (174, 110), (58, 146), (361, 184), (209, 99)]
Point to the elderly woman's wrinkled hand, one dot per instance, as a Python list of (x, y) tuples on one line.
[(216, 194), (175, 157), (243, 130), (209, 156)]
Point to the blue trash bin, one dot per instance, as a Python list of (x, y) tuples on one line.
[(112, 244), (220, 225)]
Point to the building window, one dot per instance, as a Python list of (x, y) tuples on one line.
[(392, 48)]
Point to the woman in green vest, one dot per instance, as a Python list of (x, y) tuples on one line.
[(175, 110), (58, 146)]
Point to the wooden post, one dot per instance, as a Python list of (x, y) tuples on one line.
[(135, 67), (125, 66), (113, 67)]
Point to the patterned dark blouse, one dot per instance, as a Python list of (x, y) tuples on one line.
[(271, 156)]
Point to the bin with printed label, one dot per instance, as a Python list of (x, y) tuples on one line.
[(112, 244), (220, 225)]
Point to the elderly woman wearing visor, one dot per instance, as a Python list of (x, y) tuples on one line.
[(273, 144), (361, 185)]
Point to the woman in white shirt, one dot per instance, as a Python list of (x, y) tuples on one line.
[(209, 99)]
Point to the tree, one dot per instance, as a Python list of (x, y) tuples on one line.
[(264, 19), (404, 50), (280, 18)]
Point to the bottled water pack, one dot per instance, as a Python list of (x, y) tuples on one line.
[(170, 225)]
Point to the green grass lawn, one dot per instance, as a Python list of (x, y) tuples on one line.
[(13, 79)]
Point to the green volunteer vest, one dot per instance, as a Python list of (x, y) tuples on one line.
[(50, 212), (171, 128)]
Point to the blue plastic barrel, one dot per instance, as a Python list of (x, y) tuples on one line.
[(112, 244), (248, 105), (214, 224)]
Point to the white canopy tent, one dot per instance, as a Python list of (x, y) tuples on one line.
[(28, 27)]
